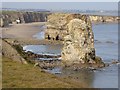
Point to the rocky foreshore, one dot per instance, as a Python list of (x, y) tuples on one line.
[(76, 32), (49, 62), (15, 52)]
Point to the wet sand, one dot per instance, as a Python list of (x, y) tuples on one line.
[(23, 34), (22, 30)]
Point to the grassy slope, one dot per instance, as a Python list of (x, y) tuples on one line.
[(17, 75)]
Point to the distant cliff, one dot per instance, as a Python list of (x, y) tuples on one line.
[(10, 17), (102, 18)]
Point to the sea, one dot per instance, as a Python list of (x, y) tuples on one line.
[(106, 46)]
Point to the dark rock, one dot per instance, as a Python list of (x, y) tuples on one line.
[(115, 62)]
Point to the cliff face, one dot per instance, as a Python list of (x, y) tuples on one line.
[(56, 26), (76, 31), (8, 17), (96, 18), (57, 23), (79, 43)]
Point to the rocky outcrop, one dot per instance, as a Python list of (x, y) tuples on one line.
[(4, 22), (10, 52), (56, 26), (98, 18), (79, 43), (76, 32), (57, 23), (10, 17)]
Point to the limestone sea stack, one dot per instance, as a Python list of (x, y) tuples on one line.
[(76, 32), (79, 43)]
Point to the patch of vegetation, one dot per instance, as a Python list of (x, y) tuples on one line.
[(22, 53), (17, 75)]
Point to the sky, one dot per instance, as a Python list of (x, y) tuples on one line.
[(62, 5)]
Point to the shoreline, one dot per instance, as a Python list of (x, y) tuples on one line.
[(29, 39), (24, 33), (26, 30)]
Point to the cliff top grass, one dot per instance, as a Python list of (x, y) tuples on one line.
[(17, 75)]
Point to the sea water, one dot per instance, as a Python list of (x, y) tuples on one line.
[(106, 45)]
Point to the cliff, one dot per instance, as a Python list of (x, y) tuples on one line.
[(76, 31), (100, 18), (11, 17), (56, 23)]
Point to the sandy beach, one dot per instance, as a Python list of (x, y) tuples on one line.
[(22, 30), (24, 33)]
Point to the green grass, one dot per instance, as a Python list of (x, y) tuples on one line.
[(17, 75)]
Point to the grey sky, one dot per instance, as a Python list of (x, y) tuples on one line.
[(62, 5)]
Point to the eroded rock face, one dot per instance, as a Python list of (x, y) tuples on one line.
[(10, 17), (98, 18), (79, 43), (57, 25), (4, 22), (76, 32)]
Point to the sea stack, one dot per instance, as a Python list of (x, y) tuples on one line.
[(79, 43), (78, 39)]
